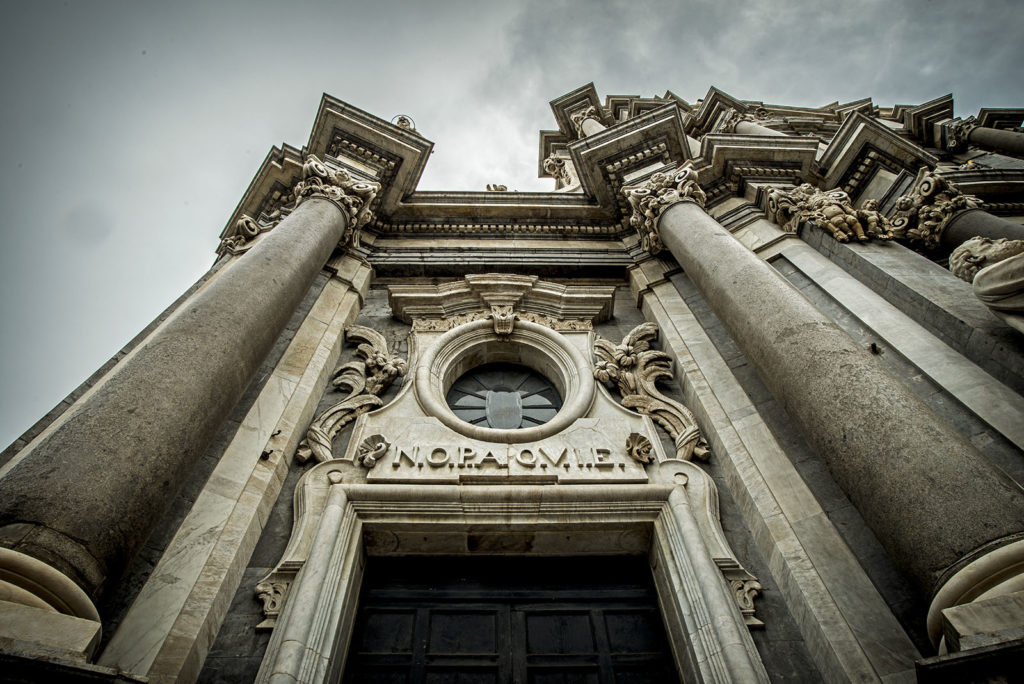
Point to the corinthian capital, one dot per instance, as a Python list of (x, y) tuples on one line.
[(731, 119), (579, 117), (957, 132), (922, 216), (352, 196), (650, 200)]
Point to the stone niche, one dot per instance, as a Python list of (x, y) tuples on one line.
[(590, 479)]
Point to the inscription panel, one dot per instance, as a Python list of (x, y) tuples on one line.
[(422, 449)]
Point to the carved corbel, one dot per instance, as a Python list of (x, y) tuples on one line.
[(922, 216), (562, 170), (364, 381), (831, 210), (635, 369), (650, 200), (350, 195)]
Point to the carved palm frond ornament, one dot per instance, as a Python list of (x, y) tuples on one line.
[(635, 368)]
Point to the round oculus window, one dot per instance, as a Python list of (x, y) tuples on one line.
[(504, 396)]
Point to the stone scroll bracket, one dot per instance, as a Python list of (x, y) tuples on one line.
[(363, 381), (635, 368)]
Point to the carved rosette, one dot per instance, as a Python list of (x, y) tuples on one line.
[(922, 216), (831, 210), (635, 369), (352, 196), (244, 236), (579, 117), (650, 200), (363, 381)]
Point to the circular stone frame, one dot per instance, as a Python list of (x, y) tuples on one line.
[(529, 344)]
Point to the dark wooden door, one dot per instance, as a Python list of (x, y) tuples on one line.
[(497, 620)]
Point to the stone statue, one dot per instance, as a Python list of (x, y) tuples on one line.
[(831, 210), (996, 269)]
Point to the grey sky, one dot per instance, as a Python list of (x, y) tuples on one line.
[(130, 129)]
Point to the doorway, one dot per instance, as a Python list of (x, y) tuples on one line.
[(509, 619)]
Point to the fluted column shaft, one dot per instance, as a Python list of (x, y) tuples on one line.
[(89, 494), (930, 497)]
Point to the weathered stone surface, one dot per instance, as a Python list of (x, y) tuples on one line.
[(107, 474), (926, 492)]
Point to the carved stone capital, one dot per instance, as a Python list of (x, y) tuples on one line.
[(922, 216), (650, 200), (352, 196), (582, 115), (831, 210), (731, 119), (562, 170), (957, 132), (363, 381), (635, 369), (979, 252), (244, 235)]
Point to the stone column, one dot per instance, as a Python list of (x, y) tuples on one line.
[(936, 215), (969, 223), (746, 124), (931, 498), (587, 122), (86, 497), (961, 133)]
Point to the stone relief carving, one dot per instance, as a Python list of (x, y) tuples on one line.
[(271, 594), (831, 210), (922, 216), (639, 448), (958, 131), (371, 450), (650, 200), (996, 269), (353, 196), (579, 117), (732, 118), (504, 319), (635, 369), (243, 237), (745, 588), (363, 380), (495, 187), (444, 324), (562, 170)]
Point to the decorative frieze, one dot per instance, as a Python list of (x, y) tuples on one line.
[(363, 381), (650, 200), (922, 216), (831, 210), (635, 368)]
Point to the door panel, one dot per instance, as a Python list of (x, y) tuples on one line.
[(524, 620)]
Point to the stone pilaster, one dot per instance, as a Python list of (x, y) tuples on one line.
[(931, 498), (86, 496)]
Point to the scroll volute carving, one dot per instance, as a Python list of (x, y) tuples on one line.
[(922, 216), (352, 196), (363, 381), (652, 198), (635, 368)]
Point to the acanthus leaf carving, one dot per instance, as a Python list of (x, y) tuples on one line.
[(732, 118), (832, 210), (562, 170), (363, 380), (247, 229), (504, 319), (337, 185), (582, 115), (652, 198), (922, 216), (635, 368)]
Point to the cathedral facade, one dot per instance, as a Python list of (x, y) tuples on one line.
[(740, 399)]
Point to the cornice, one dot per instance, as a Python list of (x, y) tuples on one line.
[(1000, 117)]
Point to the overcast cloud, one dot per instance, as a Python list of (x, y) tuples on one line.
[(130, 129)]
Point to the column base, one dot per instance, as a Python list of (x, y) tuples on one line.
[(994, 574)]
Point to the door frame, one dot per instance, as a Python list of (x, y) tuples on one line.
[(345, 521)]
